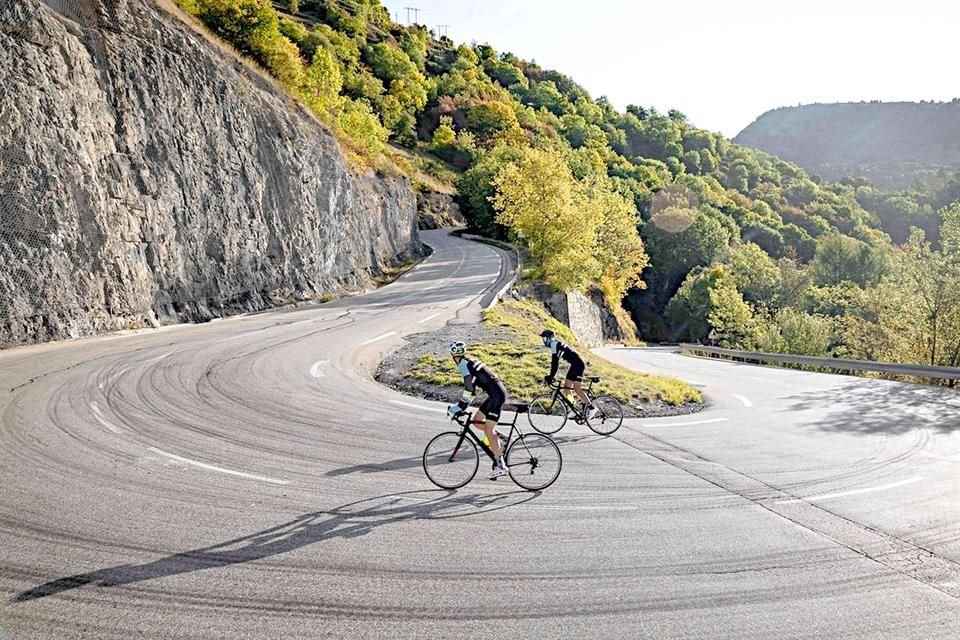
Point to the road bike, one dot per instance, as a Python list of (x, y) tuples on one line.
[(548, 414), (452, 458)]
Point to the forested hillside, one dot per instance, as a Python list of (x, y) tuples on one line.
[(689, 230), (891, 144)]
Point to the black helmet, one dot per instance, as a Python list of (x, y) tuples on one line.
[(547, 335)]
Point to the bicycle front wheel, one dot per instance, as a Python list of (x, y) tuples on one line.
[(609, 416), (450, 461), (534, 461), (547, 414)]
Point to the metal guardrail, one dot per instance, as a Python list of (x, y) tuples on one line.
[(834, 364)]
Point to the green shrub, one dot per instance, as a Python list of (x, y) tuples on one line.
[(363, 128)]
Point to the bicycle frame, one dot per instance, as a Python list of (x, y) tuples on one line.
[(467, 421), (558, 394)]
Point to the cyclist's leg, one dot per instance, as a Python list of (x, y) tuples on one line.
[(575, 379), (482, 422), (578, 389), (490, 413)]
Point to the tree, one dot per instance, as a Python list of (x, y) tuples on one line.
[(796, 332), (390, 63), (731, 316), (840, 258), (688, 309), (489, 119), (620, 250), (322, 83), (935, 277), (754, 273), (794, 280), (413, 42), (708, 299), (538, 197), (239, 22), (363, 127), (679, 239), (691, 161), (443, 136), (545, 94), (475, 190)]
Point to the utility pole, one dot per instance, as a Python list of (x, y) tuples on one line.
[(416, 13), (444, 27)]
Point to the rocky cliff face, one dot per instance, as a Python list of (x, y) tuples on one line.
[(438, 210), (148, 177)]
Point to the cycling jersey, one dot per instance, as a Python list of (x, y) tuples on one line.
[(559, 350), (476, 374)]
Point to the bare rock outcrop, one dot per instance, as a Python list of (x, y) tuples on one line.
[(147, 176)]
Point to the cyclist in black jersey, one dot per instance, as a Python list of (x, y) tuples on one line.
[(574, 380), (476, 374)]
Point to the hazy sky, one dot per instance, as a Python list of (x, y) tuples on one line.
[(721, 62)]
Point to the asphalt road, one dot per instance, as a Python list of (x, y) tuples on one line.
[(247, 479)]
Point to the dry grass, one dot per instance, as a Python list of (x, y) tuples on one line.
[(523, 361)]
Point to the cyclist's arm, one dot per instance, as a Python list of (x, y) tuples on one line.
[(554, 360), (469, 386)]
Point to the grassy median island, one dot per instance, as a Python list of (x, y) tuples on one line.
[(518, 356)]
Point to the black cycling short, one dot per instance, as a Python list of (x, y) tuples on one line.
[(494, 403), (575, 374)]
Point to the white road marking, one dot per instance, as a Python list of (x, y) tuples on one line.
[(213, 468), (687, 424), (317, 369), (417, 406), (239, 335), (841, 494), (428, 318), (102, 420), (380, 337), (584, 507), (745, 402)]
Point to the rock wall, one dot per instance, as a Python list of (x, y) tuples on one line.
[(147, 176), (587, 315), (437, 210)]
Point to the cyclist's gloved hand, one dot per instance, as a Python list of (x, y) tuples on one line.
[(454, 410), (548, 379)]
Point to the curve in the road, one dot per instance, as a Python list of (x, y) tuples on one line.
[(248, 479)]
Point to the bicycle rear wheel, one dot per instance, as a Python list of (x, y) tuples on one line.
[(449, 462), (534, 461), (547, 414), (609, 416)]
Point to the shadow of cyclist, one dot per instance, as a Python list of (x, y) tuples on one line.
[(350, 520), (393, 465)]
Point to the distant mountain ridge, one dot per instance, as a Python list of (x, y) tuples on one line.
[(890, 143)]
